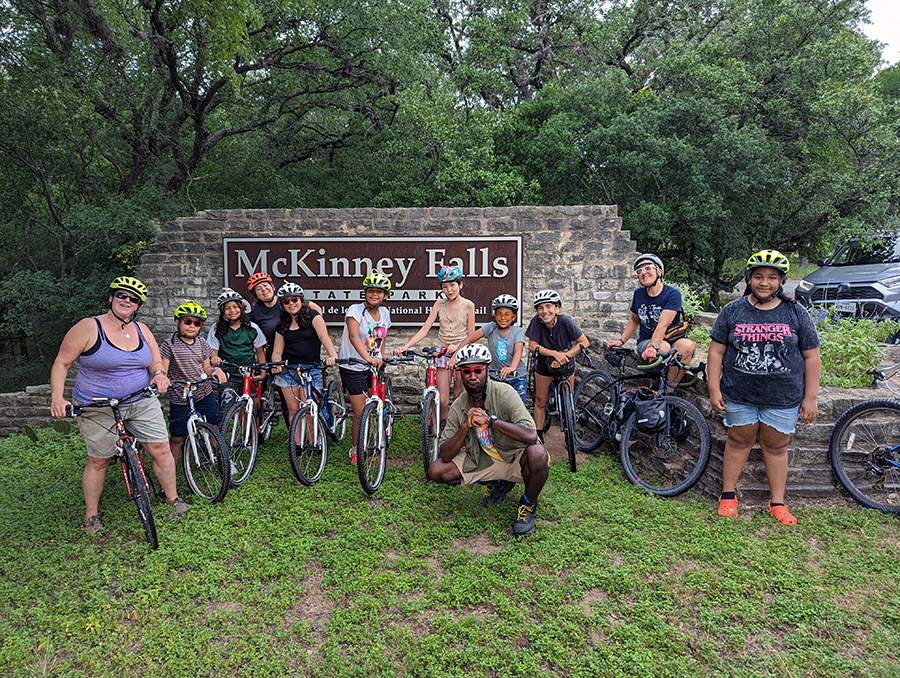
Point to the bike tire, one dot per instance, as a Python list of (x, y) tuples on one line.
[(337, 409), (862, 449), (431, 422), (371, 454), (140, 494), (670, 462), (307, 459), (242, 455), (209, 473), (592, 410), (567, 422)]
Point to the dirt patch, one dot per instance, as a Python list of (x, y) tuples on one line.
[(312, 607), (479, 545), (591, 596), (224, 606)]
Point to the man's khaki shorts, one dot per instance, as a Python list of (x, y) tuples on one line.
[(499, 470), (144, 419)]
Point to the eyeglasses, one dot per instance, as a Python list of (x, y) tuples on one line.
[(644, 269), (196, 322), (290, 300), (472, 370), (504, 314), (124, 295)]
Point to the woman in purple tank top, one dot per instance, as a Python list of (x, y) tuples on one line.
[(117, 356)]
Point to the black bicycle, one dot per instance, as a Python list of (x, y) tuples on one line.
[(865, 453), (666, 460), (136, 484)]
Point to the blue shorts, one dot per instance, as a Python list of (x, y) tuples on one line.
[(518, 383), (290, 378), (783, 421), (642, 346), (178, 415)]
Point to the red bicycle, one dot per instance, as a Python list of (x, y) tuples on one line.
[(430, 404)]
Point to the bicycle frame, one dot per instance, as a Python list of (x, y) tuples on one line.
[(313, 395)]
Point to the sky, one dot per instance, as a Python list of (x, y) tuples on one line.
[(885, 27)]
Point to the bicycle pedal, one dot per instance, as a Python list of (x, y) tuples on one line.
[(417, 421), (397, 416)]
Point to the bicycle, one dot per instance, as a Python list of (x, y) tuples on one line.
[(241, 423), (885, 376), (320, 417), (267, 412), (136, 484), (865, 454), (376, 426), (561, 404), (430, 404), (667, 462), (204, 455)]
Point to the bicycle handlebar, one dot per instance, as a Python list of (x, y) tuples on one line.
[(428, 352), (74, 409)]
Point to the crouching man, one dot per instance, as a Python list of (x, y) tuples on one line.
[(490, 439)]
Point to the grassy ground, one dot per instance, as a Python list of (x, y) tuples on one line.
[(421, 580)]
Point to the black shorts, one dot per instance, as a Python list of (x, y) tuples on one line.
[(356, 382)]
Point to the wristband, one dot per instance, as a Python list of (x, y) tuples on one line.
[(622, 340), (158, 372)]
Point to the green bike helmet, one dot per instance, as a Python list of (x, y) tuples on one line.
[(190, 309), (771, 258), (129, 284), (378, 280)]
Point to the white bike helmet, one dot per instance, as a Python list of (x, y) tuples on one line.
[(227, 295), (290, 289), (544, 296), (473, 353), (505, 301)]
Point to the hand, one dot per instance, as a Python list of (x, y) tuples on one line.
[(220, 376), (58, 408), (505, 372), (561, 357), (478, 417), (399, 351), (614, 342), (717, 401), (649, 353), (809, 410), (277, 369), (451, 349), (258, 376), (374, 361), (162, 383), (215, 360), (330, 360)]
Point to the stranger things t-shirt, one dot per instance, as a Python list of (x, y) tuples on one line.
[(763, 364)]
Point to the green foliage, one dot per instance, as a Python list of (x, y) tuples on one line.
[(850, 348), (422, 580), (699, 334), (691, 302)]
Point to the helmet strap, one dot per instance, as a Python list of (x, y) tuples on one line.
[(122, 320)]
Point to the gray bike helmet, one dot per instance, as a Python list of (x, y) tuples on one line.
[(651, 258), (473, 353), (505, 301)]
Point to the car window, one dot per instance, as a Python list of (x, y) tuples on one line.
[(882, 249)]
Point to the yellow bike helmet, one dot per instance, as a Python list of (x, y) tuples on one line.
[(378, 280), (190, 309), (772, 258), (128, 284)]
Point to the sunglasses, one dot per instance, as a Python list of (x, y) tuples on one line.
[(290, 300), (124, 295), (504, 314), (644, 269), (196, 322), (472, 370)]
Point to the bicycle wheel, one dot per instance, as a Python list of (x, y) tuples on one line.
[(266, 413), (337, 409), (669, 462), (308, 457), (431, 421), (371, 451), (592, 410), (235, 430), (140, 494), (204, 459), (865, 454), (567, 421)]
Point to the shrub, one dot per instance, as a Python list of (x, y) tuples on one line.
[(850, 348), (700, 335)]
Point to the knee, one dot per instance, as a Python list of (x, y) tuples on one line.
[(540, 400), (742, 438), (685, 348), (535, 459)]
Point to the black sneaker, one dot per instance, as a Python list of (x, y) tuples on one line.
[(487, 489), (500, 490), (523, 525)]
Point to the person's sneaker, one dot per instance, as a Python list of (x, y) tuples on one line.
[(524, 522), (499, 491), (180, 505), (487, 489), (353, 455), (93, 525)]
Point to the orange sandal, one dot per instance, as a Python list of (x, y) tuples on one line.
[(782, 515), (727, 507)]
